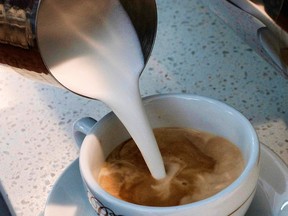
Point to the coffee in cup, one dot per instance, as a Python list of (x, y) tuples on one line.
[(198, 165)]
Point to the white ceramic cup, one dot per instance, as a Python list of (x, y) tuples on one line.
[(172, 110)]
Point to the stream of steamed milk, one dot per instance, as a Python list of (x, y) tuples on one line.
[(105, 65)]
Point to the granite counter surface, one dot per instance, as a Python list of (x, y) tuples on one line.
[(194, 53)]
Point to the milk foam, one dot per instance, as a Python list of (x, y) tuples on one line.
[(198, 166), (104, 62)]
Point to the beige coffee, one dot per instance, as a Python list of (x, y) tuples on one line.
[(198, 165)]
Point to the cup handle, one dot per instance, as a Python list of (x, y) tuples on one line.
[(81, 128)]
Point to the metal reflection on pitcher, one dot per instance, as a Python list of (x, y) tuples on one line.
[(18, 46)]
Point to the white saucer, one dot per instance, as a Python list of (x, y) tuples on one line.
[(68, 196)]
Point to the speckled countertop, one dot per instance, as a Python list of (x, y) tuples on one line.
[(194, 53)]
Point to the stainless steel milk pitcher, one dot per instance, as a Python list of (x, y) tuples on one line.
[(20, 30)]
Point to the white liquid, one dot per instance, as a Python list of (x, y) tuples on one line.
[(103, 61)]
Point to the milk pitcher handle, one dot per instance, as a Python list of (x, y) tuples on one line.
[(81, 128)]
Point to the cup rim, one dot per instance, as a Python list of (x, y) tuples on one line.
[(253, 160)]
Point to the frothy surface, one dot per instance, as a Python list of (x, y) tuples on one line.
[(198, 165)]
